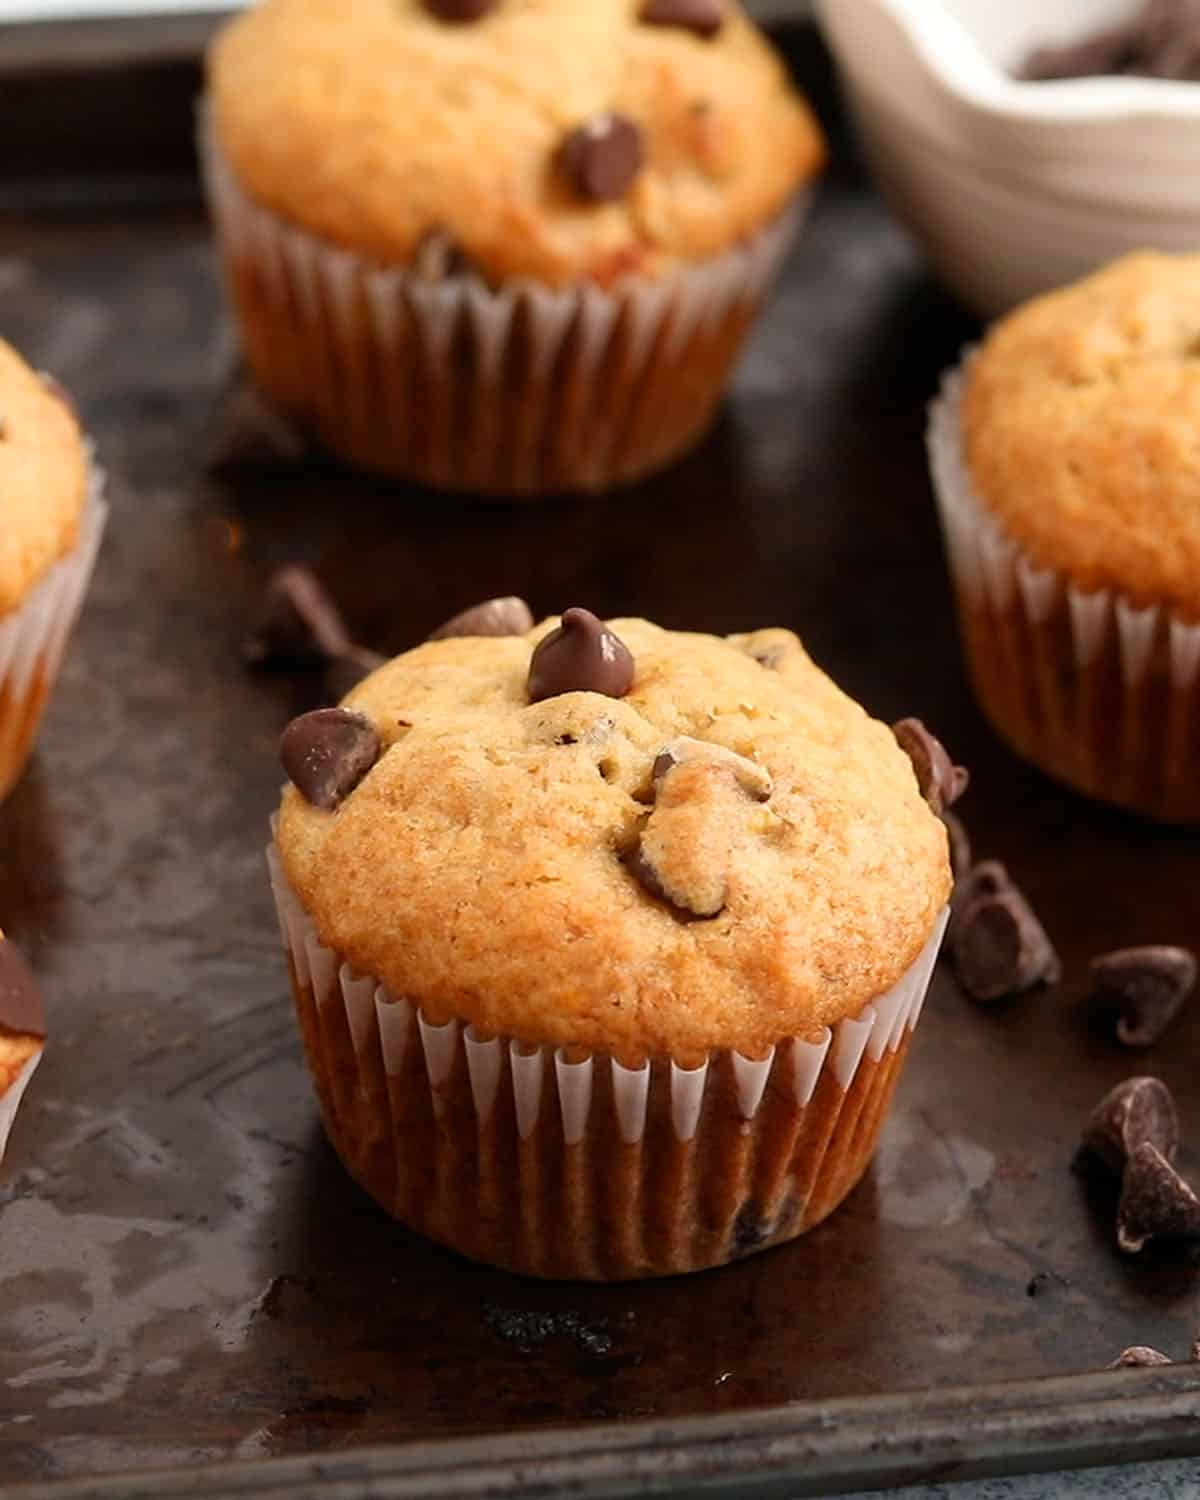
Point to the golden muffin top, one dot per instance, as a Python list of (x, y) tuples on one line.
[(1081, 424), (555, 139), (674, 844), (43, 477)]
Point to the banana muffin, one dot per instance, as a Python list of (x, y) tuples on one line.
[(504, 245), (607, 941), (52, 519), (1065, 461)]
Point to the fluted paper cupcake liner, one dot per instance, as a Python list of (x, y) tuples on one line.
[(10, 1097), (560, 1163), (1097, 691), (515, 390), (33, 638)]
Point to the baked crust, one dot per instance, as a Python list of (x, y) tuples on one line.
[(482, 869)]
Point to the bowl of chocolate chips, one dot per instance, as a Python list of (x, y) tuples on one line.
[(1025, 144)]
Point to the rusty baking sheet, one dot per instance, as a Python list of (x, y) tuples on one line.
[(190, 1283)]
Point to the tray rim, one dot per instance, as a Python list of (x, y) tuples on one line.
[(810, 1448)]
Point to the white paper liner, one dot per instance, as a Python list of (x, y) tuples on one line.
[(10, 1099), (609, 384), (1099, 727), (384, 1029), (33, 637)]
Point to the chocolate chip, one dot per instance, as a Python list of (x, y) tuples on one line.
[(1000, 948), (506, 616), (700, 905), (941, 782), (457, 11), (581, 656), (1156, 1203), (602, 157), (1138, 1112), (988, 878), (1138, 1354), (1149, 985), (960, 847), (298, 623), (344, 673), (754, 780), (20, 998), (327, 753), (704, 17)]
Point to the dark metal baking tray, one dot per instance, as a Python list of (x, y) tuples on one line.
[(192, 1291)]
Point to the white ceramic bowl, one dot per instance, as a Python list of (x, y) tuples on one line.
[(1014, 188)]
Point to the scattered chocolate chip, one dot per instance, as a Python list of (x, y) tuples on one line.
[(506, 616), (457, 11), (754, 780), (20, 998), (253, 434), (1162, 40), (960, 846), (298, 623), (1149, 985), (327, 753), (345, 672), (602, 157), (941, 782), (1138, 1354), (581, 656), (1137, 1112), (704, 17), (1000, 948), (700, 905), (988, 878), (1156, 1203)]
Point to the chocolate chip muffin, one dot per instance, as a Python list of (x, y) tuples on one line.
[(22, 1034), (512, 247), (51, 518), (1065, 464), (607, 941)]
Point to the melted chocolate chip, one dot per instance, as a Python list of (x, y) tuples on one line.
[(458, 11), (581, 656), (1156, 1203), (689, 906), (298, 623), (1149, 985), (754, 780), (602, 157), (20, 998), (327, 753), (941, 782), (1137, 1355), (1138, 1112), (1000, 948), (704, 17), (506, 616)]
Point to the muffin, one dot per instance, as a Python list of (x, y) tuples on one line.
[(507, 246), (607, 942), (53, 517), (1065, 463), (22, 1034)]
